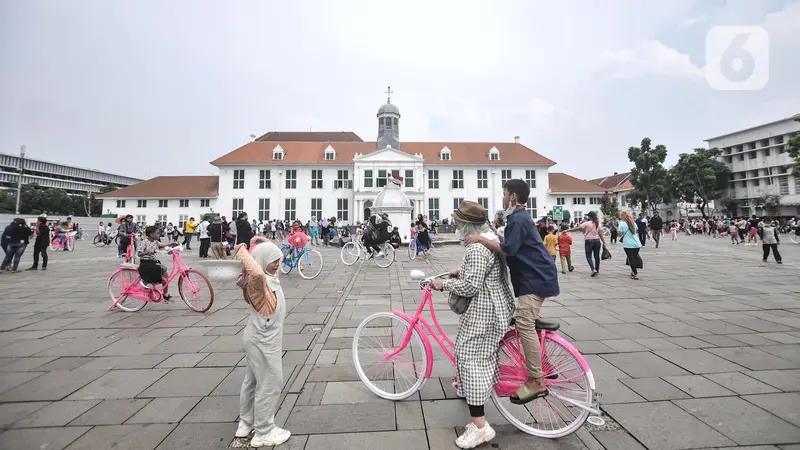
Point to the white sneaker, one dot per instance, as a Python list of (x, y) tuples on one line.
[(145, 285), (243, 431), (276, 436), (381, 254), (474, 436)]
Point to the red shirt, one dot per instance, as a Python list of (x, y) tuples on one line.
[(564, 243), (298, 239)]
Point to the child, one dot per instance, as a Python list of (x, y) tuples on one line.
[(298, 239), (150, 269), (565, 250), (101, 230), (551, 241), (674, 230)]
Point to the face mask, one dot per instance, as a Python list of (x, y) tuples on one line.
[(460, 235), (511, 207)]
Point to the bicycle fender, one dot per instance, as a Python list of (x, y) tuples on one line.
[(425, 341), (584, 364)]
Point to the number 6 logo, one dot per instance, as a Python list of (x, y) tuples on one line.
[(737, 58)]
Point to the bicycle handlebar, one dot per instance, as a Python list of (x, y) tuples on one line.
[(418, 275)]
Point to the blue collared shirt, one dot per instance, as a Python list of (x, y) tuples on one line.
[(532, 268)]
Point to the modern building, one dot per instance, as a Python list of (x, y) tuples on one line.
[(288, 175), (74, 180), (761, 166)]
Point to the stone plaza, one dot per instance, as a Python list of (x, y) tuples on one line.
[(702, 352)]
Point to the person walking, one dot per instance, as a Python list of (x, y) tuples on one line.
[(565, 251), (326, 236), (40, 243), (612, 227), (205, 239), (593, 238), (216, 233), (18, 238), (314, 225), (272, 228), (551, 242), (641, 228), (656, 224), (630, 243), (770, 241), (188, 231), (673, 228)]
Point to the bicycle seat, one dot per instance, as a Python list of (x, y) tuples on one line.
[(549, 325)]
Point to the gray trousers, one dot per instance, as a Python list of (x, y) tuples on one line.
[(263, 380)]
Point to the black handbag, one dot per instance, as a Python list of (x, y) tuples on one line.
[(458, 304), (606, 254)]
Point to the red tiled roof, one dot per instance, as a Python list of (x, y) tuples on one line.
[(612, 181), (310, 136), (563, 183), (170, 187), (461, 153)]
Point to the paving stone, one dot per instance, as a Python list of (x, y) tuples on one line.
[(119, 384), (12, 412), (689, 342), (76, 347), (232, 384), (56, 438), (56, 414), (592, 347), (300, 341), (199, 436), (165, 410), (785, 380), (345, 392), (753, 359), (789, 352), (741, 421), (615, 392), (342, 418), (11, 380), (635, 331), (617, 440), (186, 383), (334, 372), (409, 416), (24, 364), (111, 412), (720, 341), (625, 345), (215, 409), (224, 331), (698, 361), (654, 389), (740, 383), (664, 426), (784, 405), (643, 364), (698, 386), (123, 437), (658, 344), (221, 360), (183, 360), (392, 440), (51, 386), (140, 362), (129, 347), (224, 344)]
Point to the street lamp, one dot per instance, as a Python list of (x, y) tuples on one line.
[(19, 180)]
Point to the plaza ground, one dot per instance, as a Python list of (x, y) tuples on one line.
[(702, 352)]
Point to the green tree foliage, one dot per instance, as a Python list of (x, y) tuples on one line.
[(37, 200), (730, 205), (700, 177), (793, 149), (771, 204), (648, 176), (609, 206)]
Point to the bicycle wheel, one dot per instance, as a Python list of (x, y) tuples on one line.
[(287, 262), (116, 240), (548, 417), (70, 245), (350, 254), (794, 238), (412, 249), (388, 256), (393, 378), (53, 247), (98, 241), (117, 285), (310, 264), (196, 291)]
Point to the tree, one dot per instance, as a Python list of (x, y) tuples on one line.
[(793, 149), (609, 206), (730, 205), (648, 176), (700, 177), (771, 204)]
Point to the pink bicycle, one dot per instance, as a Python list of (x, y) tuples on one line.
[(128, 294), (67, 242), (394, 358)]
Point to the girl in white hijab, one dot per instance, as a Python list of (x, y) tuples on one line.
[(263, 380)]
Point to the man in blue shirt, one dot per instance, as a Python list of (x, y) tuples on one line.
[(533, 276)]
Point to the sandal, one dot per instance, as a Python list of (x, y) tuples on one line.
[(524, 395)]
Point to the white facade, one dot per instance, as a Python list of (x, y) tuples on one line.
[(147, 211), (760, 165)]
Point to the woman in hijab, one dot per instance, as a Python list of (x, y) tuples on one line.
[(482, 277), (261, 389), (326, 234)]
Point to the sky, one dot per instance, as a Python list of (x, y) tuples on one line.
[(153, 88)]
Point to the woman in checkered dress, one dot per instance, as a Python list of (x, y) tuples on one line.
[(482, 278)]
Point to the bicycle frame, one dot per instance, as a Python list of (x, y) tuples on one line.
[(139, 292), (294, 255), (60, 243)]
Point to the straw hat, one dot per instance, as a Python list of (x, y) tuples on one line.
[(470, 212)]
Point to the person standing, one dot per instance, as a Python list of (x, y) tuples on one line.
[(272, 228), (641, 229), (770, 240), (326, 236), (551, 242), (565, 250), (188, 231), (18, 238), (612, 227), (314, 225), (40, 243), (674, 230), (243, 230), (630, 243), (205, 239), (593, 238), (279, 229), (656, 224), (217, 234)]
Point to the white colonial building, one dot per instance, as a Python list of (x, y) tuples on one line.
[(289, 175)]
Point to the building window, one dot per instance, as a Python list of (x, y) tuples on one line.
[(445, 155), (457, 203), (277, 155), (483, 179), (330, 155), (182, 219), (766, 152), (505, 175), (433, 208), (368, 182), (342, 181), (381, 181), (433, 179), (291, 179), (578, 216), (494, 155), (578, 200), (263, 209), (783, 185), (561, 201), (483, 201), (183, 203), (530, 178), (316, 179), (622, 200), (264, 179), (204, 202), (238, 179), (743, 184), (316, 207), (741, 156), (756, 182), (141, 220), (342, 209), (752, 155), (458, 179), (531, 207), (396, 172), (120, 203), (290, 210), (141, 203), (161, 219), (409, 179), (777, 140), (163, 203), (238, 206)]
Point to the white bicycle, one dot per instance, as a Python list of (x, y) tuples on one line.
[(353, 251)]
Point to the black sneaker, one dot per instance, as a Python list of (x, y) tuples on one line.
[(44, 268), (31, 268)]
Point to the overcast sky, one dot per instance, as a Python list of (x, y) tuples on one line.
[(152, 88)]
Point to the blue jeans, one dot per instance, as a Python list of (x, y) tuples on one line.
[(592, 247), (15, 251)]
